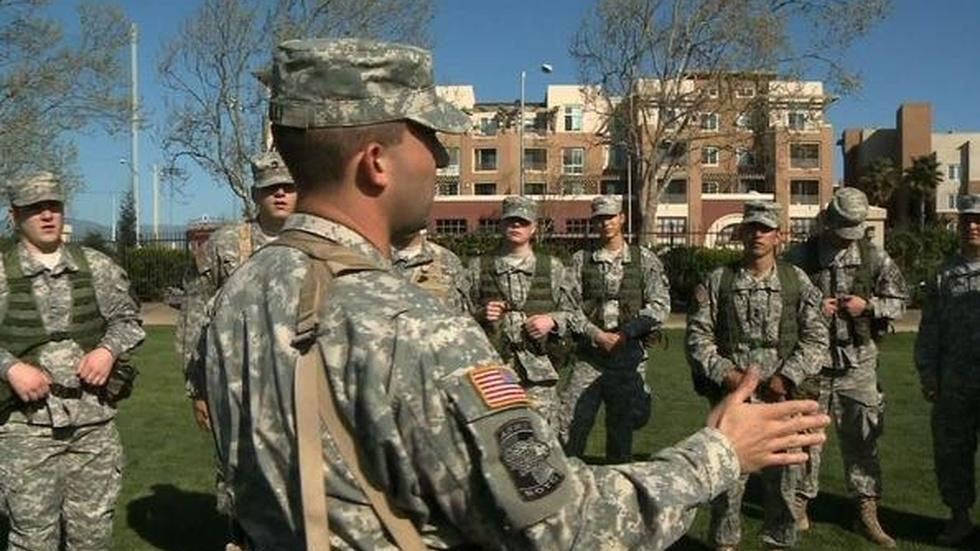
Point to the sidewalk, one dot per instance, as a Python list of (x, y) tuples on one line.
[(158, 313)]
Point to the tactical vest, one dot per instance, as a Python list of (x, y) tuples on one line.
[(22, 330), (630, 294), (863, 329), (539, 297)]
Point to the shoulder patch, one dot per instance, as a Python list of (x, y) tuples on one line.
[(526, 459), (499, 387)]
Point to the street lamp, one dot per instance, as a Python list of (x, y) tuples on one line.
[(546, 69)]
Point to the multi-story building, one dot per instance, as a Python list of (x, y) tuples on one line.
[(913, 137), (775, 144)]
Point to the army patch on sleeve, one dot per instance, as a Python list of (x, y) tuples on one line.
[(499, 387), (526, 460)]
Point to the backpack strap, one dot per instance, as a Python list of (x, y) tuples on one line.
[(315, 404)]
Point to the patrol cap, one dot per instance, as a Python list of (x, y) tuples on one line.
[(524, 208), (605, 205), (324, 83), (38, 187), (968, 204), (847, 212), (761, 212), (268, 169)]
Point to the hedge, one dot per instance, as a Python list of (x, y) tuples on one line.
[(153, 270)]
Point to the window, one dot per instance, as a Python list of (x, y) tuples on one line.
[(613, 187), (951, 201), (451, 226), (745, 91), (536, 159), (485, 160), (801, 228), (573, 118), (489, 225), (452, 168), (672, 151), (709, 156), (616, 156), (953, 172), (485, 188), (804, 192), (797, 120), (804, 155), (745, 158), (758, 185), (713, 92), (709, 122), (743, 121), (487, 125), (449, 187), (535, 188), (671, 230), (710, 186), (578, 226), (573, 160), (671, 117), (675, 192)]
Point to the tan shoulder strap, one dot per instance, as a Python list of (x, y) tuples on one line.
[(244, 242), (315, 406)]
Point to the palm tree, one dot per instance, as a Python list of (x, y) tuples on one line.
[(922, 177), (879, 180)]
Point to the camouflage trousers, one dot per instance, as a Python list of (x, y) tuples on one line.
[(60, 478), (779, 524), (545, 400), (955, 422), (857, 407), (589, 386)]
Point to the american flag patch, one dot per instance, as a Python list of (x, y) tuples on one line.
[(499, 387)]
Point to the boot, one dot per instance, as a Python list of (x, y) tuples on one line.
[(957, 529), (799, 511), (867, 523)]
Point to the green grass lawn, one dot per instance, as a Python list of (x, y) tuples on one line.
[(167, 500)]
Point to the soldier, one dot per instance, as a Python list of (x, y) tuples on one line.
[(433, 268), (946, 357), (765, 315), (863, 290), (427, 433), (624, 298), (521, 299), (275, 197), (66, 317)]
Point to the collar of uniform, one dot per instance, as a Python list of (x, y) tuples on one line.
[(337, 233), (511, 263), (603, 254), (31, 266), (745, 279), (422, 256)]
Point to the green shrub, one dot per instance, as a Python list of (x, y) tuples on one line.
[(152, 270), (687, 266), (919, 254)]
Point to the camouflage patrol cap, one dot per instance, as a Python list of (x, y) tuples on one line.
[(38, 187), (606, 205), (268, 169), (968, 204), (847, 212), (324, 83), (524, 208), (761, 212)]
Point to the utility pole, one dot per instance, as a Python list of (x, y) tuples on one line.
[(134, 155)]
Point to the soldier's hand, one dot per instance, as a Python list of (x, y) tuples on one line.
[(778, 388), (733, 378), (494, 310), (761, 434), (29, 382), (931, 394), (854, 305), (829, 307), (538, 326), (201, 414), (95, 366), (608, 341)]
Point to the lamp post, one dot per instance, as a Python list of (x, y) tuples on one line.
[(546, 69)]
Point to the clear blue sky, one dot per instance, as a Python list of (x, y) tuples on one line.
[(925, 51)]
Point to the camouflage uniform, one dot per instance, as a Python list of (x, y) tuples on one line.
[(946, 357), (404, 371), (619, 379), (62, 461), (849, 389), (436, 269), (758, 308), (512, 277)]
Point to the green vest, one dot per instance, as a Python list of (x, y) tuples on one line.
[(22, 331), (630, 294), (862, 329)]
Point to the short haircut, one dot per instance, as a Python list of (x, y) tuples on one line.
[(317, 156)]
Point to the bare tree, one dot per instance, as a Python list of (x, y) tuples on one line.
[(53, 84), (216, 108), (663, 68)]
